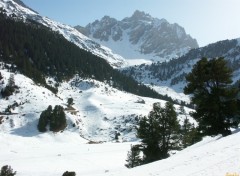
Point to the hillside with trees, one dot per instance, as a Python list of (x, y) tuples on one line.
[(38, 52), (174, 71)]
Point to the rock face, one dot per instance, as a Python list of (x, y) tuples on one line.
[(143, 33)]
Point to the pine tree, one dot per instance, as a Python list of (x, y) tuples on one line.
[(70, 101), (182, 110), (44, 119), (189, 133), (10, 88), (209, 83), (58, 120), (159, 132), (7, 171), (67, 173), (11, 81), (55, 118), (133, 157)]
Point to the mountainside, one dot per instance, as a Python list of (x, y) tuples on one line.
[(39, 67), (37, 52), (171, 75), (16, 8), (99, 111), (30, 49), (141, 37)]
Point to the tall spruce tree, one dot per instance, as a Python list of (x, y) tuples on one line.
[(159, 132), (216, 105)]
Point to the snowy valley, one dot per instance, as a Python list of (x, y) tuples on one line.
[(102, 121)]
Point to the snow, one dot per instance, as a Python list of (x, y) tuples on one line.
[(212, 156), (32, 153), (53, 154), (132, 52), (70, 33), (101, 111)]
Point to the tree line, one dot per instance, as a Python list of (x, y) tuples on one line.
[(37, 52)]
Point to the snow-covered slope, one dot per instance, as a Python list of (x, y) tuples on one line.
[(100, 110), (141, 38), (210, 157), (169, 77), (13, 8), (52, 155)]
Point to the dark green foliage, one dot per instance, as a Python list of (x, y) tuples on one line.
[(55, 118), (38, 52), (1, 77), (69, 173), (10, 88), (133, 157), (7, 171), (189, 134), (216, 104), (44, 119), (70, 101), (58, 120), (159, 132), (117, 134)]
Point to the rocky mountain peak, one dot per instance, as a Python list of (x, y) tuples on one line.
[(149, 37), (140, 15)]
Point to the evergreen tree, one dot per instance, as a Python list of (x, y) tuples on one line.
[(133, 157), (159, 132), (1, 77), (58, 120), (44, 119), (209, 83), (7, 171), (182, 110), (67, 173), (70, 101), (55, 118), (189, 133), (11, 81), (10, 88)]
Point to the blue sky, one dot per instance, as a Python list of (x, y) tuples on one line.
[(206, 20)]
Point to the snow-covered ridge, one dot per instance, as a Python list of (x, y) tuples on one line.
[(141, 37), (166, 77), (71, 34)]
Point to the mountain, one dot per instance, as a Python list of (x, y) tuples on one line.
[(88, 145), (171, 75), (37, 52), (16, 8), (46, 66), (141, 37)]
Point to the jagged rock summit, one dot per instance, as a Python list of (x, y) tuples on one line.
[(141, 37)]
